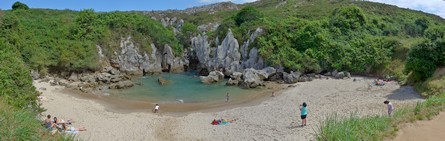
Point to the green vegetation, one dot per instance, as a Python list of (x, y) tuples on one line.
[(19, 5), (373, 128), (54, 40), (22, 125), (308, 36)]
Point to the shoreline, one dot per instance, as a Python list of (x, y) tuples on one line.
[(126, 106), (268, 118)]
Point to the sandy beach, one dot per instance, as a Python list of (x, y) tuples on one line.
[(275, 118), (428, 130)]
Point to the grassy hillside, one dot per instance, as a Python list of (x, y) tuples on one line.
[(300, 35)]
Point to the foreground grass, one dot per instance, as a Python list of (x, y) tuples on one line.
[(378, 127), (22, 125)]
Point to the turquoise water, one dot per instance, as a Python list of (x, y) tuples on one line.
[(184, 87)]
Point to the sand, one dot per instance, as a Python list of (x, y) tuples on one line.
[(275, 118), (425, 130)]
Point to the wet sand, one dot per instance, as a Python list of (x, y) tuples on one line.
[(425, 130), (269, 118)]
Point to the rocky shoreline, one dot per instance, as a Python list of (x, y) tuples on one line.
[(241, 64)]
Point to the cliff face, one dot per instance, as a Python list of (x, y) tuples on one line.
[(228, 57), (131, 60)]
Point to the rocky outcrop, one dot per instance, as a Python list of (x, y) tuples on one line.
[(251, 79), (170, 63), (173, 22), (132, 60), (213, 77), (122, 85), (162, 81), (208, 27), (251, 59), (228, 57), (292, 77)]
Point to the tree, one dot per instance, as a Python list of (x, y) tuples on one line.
[(246, 14), (19, 5)]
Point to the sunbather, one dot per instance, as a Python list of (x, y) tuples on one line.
[(71, 129)]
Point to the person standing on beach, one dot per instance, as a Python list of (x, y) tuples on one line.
[(303, 113), (390, 107), (227, 97), (156, 108)]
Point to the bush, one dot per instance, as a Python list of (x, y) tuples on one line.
[(247, 14), (424, 58), (19, 5), (16, 87)]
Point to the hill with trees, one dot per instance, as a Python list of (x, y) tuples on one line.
[(309, 36)]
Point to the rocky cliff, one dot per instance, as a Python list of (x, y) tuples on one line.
[(228, 57)]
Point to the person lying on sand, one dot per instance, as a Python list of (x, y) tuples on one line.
[(71, 129), (222, 121)]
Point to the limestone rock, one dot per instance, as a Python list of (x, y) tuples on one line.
[(162, 81), (340, 75), (213, 77), (292, 77), (236, 76), (232, 82), (73, 77), (35, 75), (251, 79), (122, 84)]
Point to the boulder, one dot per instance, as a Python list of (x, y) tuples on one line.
[(162, 81), (251, 79), (122, 84), (35, 75), (276, 77), (292, 77), (115, 78), (73, 77), (236, 76), (334, 73), (348, 74), (340, 75), (213, 77), (328, 74), (232, 82)]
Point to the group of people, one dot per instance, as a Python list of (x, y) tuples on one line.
[(222, 121), (61, 126)]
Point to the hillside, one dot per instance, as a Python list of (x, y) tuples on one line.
[(293, 39)]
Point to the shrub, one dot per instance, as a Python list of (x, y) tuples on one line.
[(19, 5)]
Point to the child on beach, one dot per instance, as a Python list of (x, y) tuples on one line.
[(390, 107), (303, 113), (156, 108)]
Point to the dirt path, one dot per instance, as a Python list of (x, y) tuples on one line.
[(429, 130)]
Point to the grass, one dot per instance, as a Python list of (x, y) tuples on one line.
[(22, 125), (374, 128)]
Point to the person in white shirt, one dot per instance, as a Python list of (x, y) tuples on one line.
[(156, 108), (390, 107)]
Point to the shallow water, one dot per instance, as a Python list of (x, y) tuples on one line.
[(182, 87)]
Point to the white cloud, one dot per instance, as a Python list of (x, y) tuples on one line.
[(436, 7), (234, 1)]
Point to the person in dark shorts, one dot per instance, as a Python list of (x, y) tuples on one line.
[(303, 111)]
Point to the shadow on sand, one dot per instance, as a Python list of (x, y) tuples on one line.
[(404, 93)]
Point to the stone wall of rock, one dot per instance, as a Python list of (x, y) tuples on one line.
[(228, 57)]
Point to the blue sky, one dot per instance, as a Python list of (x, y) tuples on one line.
[(430, 6), (113, 5)]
